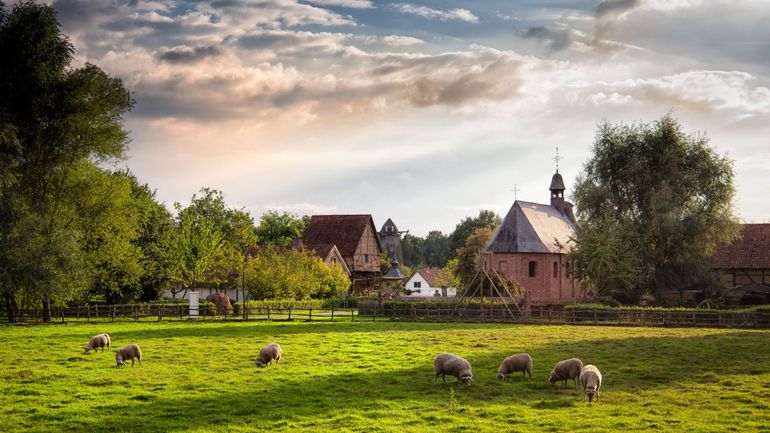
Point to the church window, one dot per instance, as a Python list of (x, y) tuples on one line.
[(532, 269), (555, 270)]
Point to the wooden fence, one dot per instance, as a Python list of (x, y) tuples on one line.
[(411, 312), (171, 312), (620, 317)]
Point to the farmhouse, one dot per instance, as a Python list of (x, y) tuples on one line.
[(429, 282), (531, 244), (327, 252), (746, 261), (355, 238)]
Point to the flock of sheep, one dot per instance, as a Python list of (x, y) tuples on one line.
[(589, 376)]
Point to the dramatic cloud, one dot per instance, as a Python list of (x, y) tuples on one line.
[(347, 101)]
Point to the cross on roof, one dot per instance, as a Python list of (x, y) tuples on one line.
[(515, 190), (557, 158)]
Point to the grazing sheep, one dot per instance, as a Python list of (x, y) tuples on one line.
[(565, 370), (96, 342), (128, 352), (269, 353), (591, 380), (447, 363), (519, 362)]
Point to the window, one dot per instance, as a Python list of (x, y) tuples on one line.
[(366, 258), (532, 269), (555, 270), (502, 266), (417, 284)]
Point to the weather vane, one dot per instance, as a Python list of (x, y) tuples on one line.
[(557, 158), (515, 190)]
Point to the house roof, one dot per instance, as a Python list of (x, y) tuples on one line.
[(532, 228), (433, 276), (751, 251), (389, 222), (344, 231)]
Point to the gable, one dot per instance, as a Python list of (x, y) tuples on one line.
[(344, 231), (532, 228)]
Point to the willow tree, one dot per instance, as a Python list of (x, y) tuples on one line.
[(654, 202)]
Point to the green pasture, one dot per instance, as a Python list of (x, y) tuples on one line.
[(377, 377)]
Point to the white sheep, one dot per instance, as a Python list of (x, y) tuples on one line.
[(591, 381), (269, 353), (447, 363), (97, 341), (565, 370), (128, 352), (519, 362)]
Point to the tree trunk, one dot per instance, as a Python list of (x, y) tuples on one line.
[(47, 309), (10, 306)]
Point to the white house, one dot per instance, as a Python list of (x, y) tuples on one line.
[(204, 290), (428, 282)]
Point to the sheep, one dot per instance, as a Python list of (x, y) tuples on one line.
[(269, 353), (447, 363), (519, 362), (96, 342), (566, 369), (591, 381), (128, 352)]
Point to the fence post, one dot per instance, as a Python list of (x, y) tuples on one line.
[(88, 309), (332, 314), (290, 314), (268, 312), (596, 320), (160, 311), (352, 317), (113, 313), (310, 315)]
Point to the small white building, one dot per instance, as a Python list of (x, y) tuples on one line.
[(428, 283), (204, 290)]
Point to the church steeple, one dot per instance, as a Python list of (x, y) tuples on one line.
[(557, 186)]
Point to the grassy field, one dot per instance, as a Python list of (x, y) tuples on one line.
[(373, 377)]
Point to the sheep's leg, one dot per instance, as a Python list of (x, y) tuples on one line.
[(443, 377), (132, 362), (435, 376)]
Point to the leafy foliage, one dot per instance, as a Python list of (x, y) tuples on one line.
[(465, 228), (279, 228), (658, 196), (469, 256)]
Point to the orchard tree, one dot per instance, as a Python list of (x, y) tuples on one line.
[(279, 228), (469, 256), (653, 202)]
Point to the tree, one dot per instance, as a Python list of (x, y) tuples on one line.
[(196, 248), (469, 256), (279, 228), (436, 249), (412, 248), (659, 196), (290, 274), (486, 219), (53, 120)]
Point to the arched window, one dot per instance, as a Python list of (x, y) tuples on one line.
[(555, 270), (532, 269), (502, 266)]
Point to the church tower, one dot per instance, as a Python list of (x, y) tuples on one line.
[(557, 192)]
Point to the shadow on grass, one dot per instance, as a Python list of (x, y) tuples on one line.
[(269, 397)]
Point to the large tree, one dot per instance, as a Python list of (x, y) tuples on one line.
[(469, 255), (279, 228), (435, 249), (54, 121), (655, 201)]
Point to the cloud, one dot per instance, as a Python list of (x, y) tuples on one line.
[(459, 14), (185, 54), (352, 4), (555, 39), (612, 7)]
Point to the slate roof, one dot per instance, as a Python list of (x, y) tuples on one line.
[(389, 222), (557, 183), (344, 231), (751, 251), (532, 228), (433, 276)]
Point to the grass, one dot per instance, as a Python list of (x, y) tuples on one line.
[(377, 377)]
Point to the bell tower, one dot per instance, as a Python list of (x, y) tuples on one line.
[(557, 186)]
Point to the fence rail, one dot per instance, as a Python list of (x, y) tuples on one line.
[(409, 312), (498, 313), (164, 312)]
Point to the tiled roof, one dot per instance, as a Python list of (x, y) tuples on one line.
[(751, 251), (433, 276), (533, 228), (344, 231)]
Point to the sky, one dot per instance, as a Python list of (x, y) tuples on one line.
[(420, 111)]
